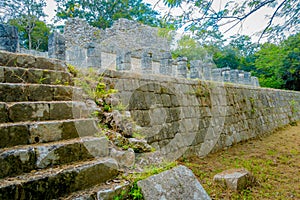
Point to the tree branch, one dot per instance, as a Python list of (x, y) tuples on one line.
[(271, 20)]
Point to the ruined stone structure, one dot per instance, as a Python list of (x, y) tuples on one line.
[(8, 38), (50, 144), (180, 116), (126, 46), (131, 46)]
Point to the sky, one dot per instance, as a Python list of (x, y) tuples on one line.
[(251, 26)]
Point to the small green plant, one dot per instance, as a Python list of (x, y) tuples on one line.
[(165, 33), (92, 84), (135, 192), (72, 69), (151, 170), (294, 110), (121, 196), (120, 107), (137, 135), (293, 106), (107, 108), (57, 82), (41, 80), (251, 99)]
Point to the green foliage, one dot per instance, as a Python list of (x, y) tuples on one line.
[(26, 9), (166, 33), (190, 48), (151, 170), (92, 84), (278, 66), (93, 11), (33, 33), (121, 196), (41, 80), (135, 192), (27, 16), (72, 69)]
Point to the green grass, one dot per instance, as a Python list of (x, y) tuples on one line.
[(274, 161)]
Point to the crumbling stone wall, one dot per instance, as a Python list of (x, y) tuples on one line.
[(8, 38), (180, 116), (131, 46), (128, 46), (34, 52)]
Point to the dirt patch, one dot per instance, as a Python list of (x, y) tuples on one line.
[(274, 160)]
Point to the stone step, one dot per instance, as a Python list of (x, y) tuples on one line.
[(47, 110), (29, 61), (39, 76), (13, 134), (58, 181), (14, 92), (105, 191), (18, 160)]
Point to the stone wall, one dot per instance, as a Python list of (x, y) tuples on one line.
[(180, 116), (131, 46), (8, 38), (126, 46), (34, 52)]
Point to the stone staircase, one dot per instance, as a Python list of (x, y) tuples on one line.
[(48, 147)]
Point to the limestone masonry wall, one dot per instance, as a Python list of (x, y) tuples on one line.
[(131, 46), (126, 46), (180, 116)]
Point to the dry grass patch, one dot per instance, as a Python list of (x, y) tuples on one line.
[(274, 160)]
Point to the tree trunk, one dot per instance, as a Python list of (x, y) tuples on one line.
[(29, 40)]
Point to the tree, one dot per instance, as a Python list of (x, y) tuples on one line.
[(278, 65), (35, 38), (269, 61), (291, 62), (25, 14), (102, 13), (200, 15), (190, 48)]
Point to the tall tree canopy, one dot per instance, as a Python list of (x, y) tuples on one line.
[(27, 16), (102, 13), (204, 15), (278, 66)]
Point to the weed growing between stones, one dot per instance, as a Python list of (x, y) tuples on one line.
[(135, 191), (41, 80), (114, 121), (92, 84), (294, 112)]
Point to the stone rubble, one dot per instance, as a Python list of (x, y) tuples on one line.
[(235, 179)]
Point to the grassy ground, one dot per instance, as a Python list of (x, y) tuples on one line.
[(274, 160)]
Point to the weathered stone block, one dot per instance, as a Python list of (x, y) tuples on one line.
[(177, 183), (56, 46), (19, 112), (8, 38), (54, 131), (40, 93), (75, 177), (12, 135), (13, 92), (16, 161), (235, 179), (125, 159), (3, 113), (2, 76)]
